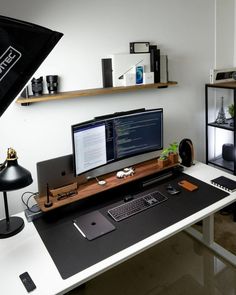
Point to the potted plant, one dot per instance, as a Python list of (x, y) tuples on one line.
[(231, 113), (231, 110), (163, 160), (173, 152)]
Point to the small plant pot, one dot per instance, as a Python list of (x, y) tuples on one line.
[(163, 163), (174, 158)]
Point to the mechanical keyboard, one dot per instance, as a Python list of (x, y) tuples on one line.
[(137, 205)]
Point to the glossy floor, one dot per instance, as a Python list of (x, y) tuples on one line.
[(178, 266)]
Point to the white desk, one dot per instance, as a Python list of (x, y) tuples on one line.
[(26, 251)]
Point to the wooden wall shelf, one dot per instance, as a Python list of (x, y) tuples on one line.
[(91, 187), (91, 92)]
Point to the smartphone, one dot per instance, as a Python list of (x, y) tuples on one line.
[(139, 75)]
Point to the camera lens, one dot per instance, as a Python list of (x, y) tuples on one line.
[(52, 83), (37, 86)]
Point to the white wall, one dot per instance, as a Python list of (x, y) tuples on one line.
[(225, 28), (184, 29)]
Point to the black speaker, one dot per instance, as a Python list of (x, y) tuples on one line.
[(228, 152), (107, 72), (186, 152)]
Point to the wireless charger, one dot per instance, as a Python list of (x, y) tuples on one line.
[(101, 182)]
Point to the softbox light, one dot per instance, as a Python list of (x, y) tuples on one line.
[(23, 47)]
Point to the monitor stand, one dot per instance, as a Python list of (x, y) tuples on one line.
[(148, 169)]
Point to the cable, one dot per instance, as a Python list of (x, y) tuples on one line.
[(26, 203)]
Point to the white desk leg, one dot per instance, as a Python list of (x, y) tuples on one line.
[(207, 238), (208, 230)]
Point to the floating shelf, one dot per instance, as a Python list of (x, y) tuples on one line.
[(91, 92)]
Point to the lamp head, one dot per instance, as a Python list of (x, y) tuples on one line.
[(13, 176)]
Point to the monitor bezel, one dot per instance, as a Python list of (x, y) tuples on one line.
[(104, 118)]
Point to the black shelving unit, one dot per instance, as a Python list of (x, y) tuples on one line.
[(229, 125)]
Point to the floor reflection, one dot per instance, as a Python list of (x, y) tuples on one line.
[(178, 266)]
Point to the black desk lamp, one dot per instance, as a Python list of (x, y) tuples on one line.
[(12, 177)]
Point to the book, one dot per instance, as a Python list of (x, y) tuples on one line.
[(225, 183), (155, 62)]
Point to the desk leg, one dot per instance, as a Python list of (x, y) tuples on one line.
[(207, 238), (208, 230)]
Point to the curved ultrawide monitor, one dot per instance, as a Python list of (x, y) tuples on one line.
[(104, 141), (23, 47)]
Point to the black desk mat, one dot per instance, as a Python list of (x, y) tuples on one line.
[(72, 253)]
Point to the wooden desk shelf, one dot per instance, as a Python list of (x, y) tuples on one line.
[(91, 92), (92, 187)]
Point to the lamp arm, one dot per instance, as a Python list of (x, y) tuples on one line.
[(6, 207)]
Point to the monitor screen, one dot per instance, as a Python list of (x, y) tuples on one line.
[(104, 141)]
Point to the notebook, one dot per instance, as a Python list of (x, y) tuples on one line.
[(225, 183)]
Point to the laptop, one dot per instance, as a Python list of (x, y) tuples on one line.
[(56, 172)]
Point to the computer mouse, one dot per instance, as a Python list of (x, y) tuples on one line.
[(172, 190), (128, 198)]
